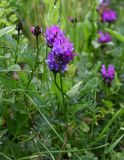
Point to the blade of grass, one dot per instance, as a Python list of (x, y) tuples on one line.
[(47, 150), (113, 145), (66, 151), (5, 156), (106, 128)]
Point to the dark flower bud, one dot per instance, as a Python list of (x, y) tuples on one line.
[(36, 31), (19, 26), (73, 20)]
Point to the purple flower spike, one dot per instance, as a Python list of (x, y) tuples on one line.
[(62, 46), (62, 51), (109, 15), (108, 74), (55, 63), (52, 33), (61, 55), (104, 37), (36, 31)]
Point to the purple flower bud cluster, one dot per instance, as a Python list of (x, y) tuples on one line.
[(62, 50), (108, 74), (104, 37), (36, 30), (109, 15)]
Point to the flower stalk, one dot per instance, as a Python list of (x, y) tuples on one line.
[(35, 64), (36, 31), (59, 87), (18, 28)]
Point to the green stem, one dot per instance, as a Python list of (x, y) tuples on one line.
[(61, 83), (59, 87), (16, 55), (107, 91), (36, 60), (35, 64), (92, 127), (55, 2), (4, 49), (60, 12), (45, 69), (32, 73), (63, 100)]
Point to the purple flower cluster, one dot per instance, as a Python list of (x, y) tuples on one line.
[(109, 15), (55, 63), (36, 30), (62, 51), (52, 33), (104, 37), (108, 74)]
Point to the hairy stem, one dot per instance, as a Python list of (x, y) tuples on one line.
[(16, 54), (35, 64), (59, 87), (62, 93)]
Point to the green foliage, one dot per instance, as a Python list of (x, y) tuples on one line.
[(46, 116)]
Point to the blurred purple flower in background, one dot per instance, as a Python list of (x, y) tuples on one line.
[(108, 74), (104, 37), (104, 2), (108, 15), (36, 30)]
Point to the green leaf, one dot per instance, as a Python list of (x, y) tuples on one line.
[(74, 89), (86, 29), (6, 30), (116, 35), (117, 81), (10, 100), (14, 67), (84, 127), (113, 145), (107, 126), (71, 71), (108, 103), (95, 44), (3, 132)]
